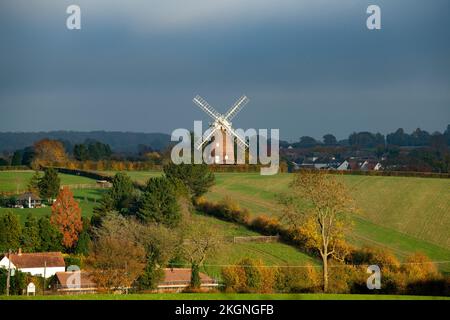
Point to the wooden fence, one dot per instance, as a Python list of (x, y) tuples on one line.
[(256, 239)]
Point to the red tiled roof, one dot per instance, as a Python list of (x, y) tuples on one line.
[(85, 279), (179, 275), (37, 260)]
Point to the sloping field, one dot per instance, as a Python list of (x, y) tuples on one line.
[(271, 254), (17, 181), (419, 207), (403, 214)]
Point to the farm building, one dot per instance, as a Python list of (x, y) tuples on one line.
[(28, 200), (74, 282), (44, 264), (175, 280)]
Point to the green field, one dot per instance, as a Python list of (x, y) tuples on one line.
[(17, 181), (87, 198), (402, 214), (271, 254), (223, 296)]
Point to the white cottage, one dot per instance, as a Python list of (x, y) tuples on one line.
[(37, 264)]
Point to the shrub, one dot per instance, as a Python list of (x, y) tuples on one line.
[(298, 280), (249, 276), (226, 209)]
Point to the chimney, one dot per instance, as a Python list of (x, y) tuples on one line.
[(20, 252)]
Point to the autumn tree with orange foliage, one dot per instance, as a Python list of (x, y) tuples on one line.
[(66, 217), (48, 152)]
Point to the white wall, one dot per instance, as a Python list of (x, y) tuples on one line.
[(5, 262), (50, 271)]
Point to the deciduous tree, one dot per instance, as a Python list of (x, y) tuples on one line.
[(118, 257), (51, 238), (201, 241), (31, 240), (318, 206), (48, 152), (66, 217), (10, 231)]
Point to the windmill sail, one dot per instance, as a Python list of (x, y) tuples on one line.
[(200, 142), (206, 107), (236, 108)]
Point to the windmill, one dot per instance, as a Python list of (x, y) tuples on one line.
[(222, 124)]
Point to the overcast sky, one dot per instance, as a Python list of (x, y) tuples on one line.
[(309, 67)]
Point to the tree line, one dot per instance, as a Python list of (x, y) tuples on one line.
[(365, 139)]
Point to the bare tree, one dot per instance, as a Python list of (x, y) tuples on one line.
[(201, 241)]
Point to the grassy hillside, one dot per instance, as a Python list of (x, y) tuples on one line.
[(13, 181), (403, 214), (417, 207), (229, 253), (272, 254)]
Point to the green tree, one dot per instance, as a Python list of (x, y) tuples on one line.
[(51, 238), (80, 152), (33, 184), (159, 203), (17, 158), (161, 245), (121, 198), (31, 240), (196, 177), (84, 240), (49, 184), (195, 276), (10, 231), (329, 140)]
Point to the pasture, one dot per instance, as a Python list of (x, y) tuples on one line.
[(402, 214), (17, 181), (271, 254)]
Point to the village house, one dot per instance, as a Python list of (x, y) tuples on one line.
[(175, 280), (43, 264), (178, 279), (74, 282), (28, 200)]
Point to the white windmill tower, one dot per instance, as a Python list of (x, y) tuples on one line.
[(222, 124)]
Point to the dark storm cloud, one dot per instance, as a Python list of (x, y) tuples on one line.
[(309, 67)]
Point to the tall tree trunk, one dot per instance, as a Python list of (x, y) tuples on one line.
[(325, 273)]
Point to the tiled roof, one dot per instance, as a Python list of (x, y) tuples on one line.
[(85, 279), (25, 197), (182, 275), (37, 260)]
